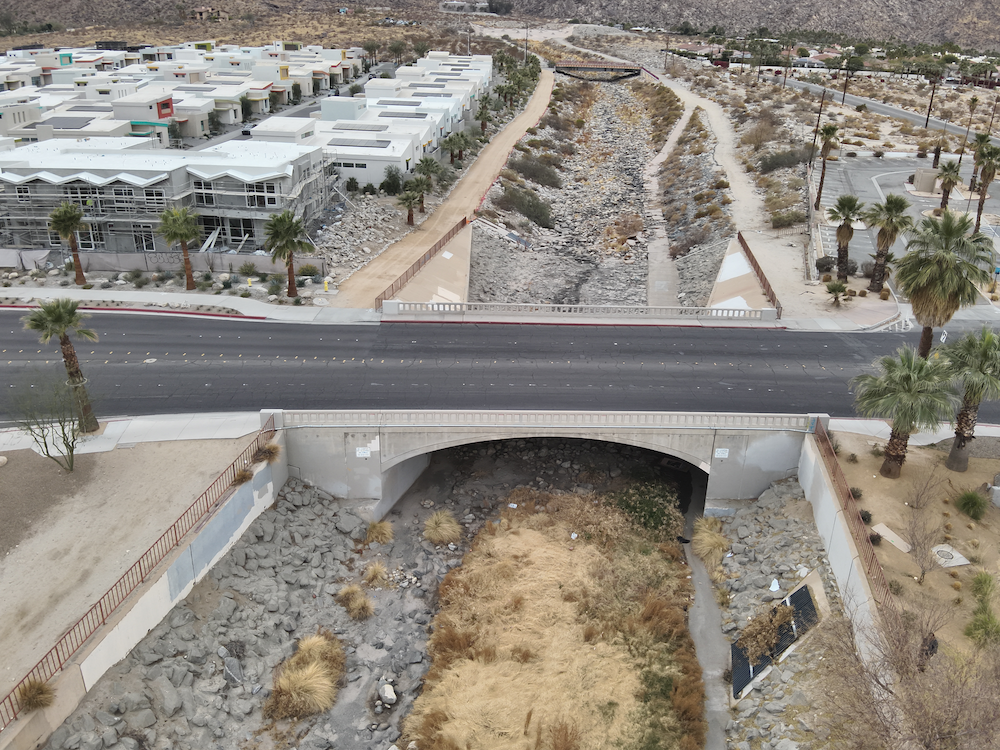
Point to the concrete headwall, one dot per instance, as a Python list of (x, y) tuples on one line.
[(845, 560)]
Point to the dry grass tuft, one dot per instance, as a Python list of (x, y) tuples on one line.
[(565, 736), (301, 692), (268, 453), (360, 607), (379, 532), (442, 528), (242, 477), (376, 574), (760, 635), (522, 654), (35, 694), (708, 541), (322, 648), (351, 591)]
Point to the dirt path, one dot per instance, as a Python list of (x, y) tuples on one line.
[(360, 290)]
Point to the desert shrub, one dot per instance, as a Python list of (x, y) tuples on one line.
[(376, 575), (527, 203), (826, 264), (247, 269), (853, 458), (782, 219), (356, 602), (35, 694), (895, 588), (760, 636), (369, 189), (379, 532), (973, 504), (652, 506), (782, 159), (242, 477), (392, 184), (352, 185), (442, 528), (857, 492), (984, 629), (983, 585), (308, 270), (875, 538), (866, 516), (536, 171), (268, 453), (301, 692), (708, 541), (720, 184), (322, 648)]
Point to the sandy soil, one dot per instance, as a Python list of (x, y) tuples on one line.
[(887, 498), (66, 539)]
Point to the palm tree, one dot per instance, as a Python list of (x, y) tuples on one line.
[(828, 135), (949, 176), (975, 364), (846, 210), (464, 142), (913, 392), (397, 49), (973, 103), (940, 272), (892, 220), (483, 114), (989, 163), (429, 167), (371, 47), (180, 225), (66, 221), (421, 49), (286, 235), (450, 143), (58, 319), (978, 141), (409, 201), (419, 186)]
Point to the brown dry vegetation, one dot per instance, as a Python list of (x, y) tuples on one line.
[(307, 682), (547, 641), (663, 107)]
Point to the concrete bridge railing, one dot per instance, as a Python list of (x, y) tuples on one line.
[(452, 311), (374, 456)]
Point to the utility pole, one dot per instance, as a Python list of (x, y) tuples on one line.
[(525, 43)]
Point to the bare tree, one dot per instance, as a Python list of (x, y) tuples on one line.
[(904, 695), (923, 527), (47, 412)]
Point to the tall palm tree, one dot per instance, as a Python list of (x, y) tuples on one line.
[(892, 220), (978, 141), (409, 201), (483, 114), (973, 103), (989, 163), (419, 185), (913, 392), (66, 221), (58, 319), (450, 143), (429, 167), (180, 225), (940, 272), (975, 364), (846, 211), (949, 176), (463, 141), (286, 235), (828, 136)]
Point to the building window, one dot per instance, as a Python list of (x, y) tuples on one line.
[(91, 237), (210, 224), (54, 239), (82, 195), (154, 199), (143, 236), (203, 195), (262, 194), (104, 92), (348, 164), (360, 166), (124, 200), (240, 229), (23, 194)]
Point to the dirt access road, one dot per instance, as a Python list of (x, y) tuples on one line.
[(361, 289)]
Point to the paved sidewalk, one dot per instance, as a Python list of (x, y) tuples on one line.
[(127, 431)]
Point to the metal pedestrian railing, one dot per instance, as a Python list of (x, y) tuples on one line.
[(759, 272), (422, 261), (57, 657)]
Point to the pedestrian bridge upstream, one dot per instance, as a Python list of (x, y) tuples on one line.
[(376, 455), (590, 69)]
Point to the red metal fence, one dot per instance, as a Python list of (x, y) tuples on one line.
[(420, 262), (98, 614), (764, 283), (860, 532)]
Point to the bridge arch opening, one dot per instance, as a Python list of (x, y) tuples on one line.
[(481, 473)]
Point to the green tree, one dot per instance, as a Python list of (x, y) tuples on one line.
[(828, 137), (284, 236), (483, 114), (409, 201), (66, 221), (421, 49), (989, 162), (975, 364), (419, 185), (892, 220), (846, 211), (949, 176), (246, 108), (941, 269), (397, 49), (180, 225), (58, 319), (912, 392), (371, 48), (802, 52), (274, 100), (429, 167), (296, 93), (214, 122), (451, 144)]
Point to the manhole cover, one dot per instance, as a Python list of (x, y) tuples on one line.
[(945, 554), (149, 361)]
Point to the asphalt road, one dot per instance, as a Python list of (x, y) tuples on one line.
[(153, 365)]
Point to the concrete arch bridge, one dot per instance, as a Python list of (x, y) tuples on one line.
[(374, 456)]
